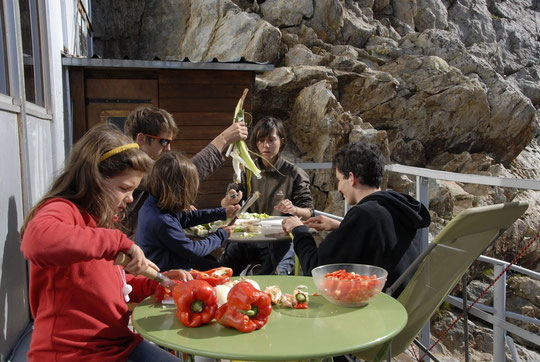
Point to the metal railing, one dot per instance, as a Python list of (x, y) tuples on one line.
[(497, 314)]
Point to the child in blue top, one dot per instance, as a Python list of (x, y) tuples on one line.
[(173, 185)]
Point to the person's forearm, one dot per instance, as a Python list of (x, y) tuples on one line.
[(335, 224), (220, 143), (302, 213), (207, 161)]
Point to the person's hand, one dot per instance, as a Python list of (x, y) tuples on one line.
[(138, 263), (290, 223), (228, 229), (235, 132), (321, 222), (231, 210), (286, 206), (192, 208), (178, 274), (231, 198)]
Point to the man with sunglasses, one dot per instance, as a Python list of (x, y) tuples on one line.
[(154, 129)]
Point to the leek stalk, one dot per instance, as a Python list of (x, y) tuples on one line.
[(238, 150)]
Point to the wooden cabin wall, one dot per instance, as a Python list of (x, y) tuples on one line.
[(201, 101)]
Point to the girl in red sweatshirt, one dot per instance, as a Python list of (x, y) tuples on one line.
[(77, 295)]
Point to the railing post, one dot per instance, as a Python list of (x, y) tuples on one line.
[(499, 304), (512, 347), (423, 197), (465, 317)]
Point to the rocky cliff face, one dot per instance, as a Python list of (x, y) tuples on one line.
[(459, 76), (450, 85)]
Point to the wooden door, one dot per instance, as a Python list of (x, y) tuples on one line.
[(111, 100)]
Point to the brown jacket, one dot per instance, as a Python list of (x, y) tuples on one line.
[(287, 182), (207, 161)]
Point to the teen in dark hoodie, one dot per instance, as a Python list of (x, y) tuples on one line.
[(379, 230)]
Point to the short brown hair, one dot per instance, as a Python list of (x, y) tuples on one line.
[(174, 182), (149, 120)]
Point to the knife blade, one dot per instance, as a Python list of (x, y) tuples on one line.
[(123, 260), (244, 208)]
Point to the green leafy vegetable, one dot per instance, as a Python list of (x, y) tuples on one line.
[(238, 150)]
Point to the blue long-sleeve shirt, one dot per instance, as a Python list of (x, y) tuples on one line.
[(161, 236)]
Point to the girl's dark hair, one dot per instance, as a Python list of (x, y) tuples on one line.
[(365, 161), (82, 179), (174, 182), (263, 128)]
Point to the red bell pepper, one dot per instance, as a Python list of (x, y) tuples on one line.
[(196, 302), (162, 292), (214, 276), (247, 308)]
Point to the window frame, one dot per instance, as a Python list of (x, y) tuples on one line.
[(4, 70), (37, 53)]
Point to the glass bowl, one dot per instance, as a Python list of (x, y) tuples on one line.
[(368, 283)]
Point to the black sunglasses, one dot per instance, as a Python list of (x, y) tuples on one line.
[(164, 142)]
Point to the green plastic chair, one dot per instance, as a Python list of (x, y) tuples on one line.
[(442, 265)]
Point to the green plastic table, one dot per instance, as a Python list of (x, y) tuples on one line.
[(323, 330)]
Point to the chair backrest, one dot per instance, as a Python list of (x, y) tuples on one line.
[(458, 245)]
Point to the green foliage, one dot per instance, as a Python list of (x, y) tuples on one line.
[(488, 273), (444, 307), (383, 51), (447, 217)]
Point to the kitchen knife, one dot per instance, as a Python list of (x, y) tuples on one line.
[(123, 259), (244, 208)]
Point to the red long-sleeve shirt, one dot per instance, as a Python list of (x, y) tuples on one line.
[(75, 290)]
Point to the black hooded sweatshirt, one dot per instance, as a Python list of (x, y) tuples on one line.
[(380, 230)]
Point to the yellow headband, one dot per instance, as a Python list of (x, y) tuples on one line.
[(117, 150)]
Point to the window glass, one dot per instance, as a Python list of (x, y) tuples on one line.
[(4, 77), (33, 78), (117, 121)]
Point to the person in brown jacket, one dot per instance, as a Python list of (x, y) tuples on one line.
[(154, 130), (285, 190)]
